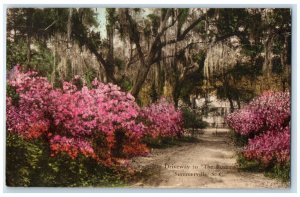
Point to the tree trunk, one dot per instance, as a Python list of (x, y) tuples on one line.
[(28, 53), (108, 67), (110, 57), (159, 76), (140, 78), (177, 82), (231, 103), (53, 76), (284, 62), (69, 26), (238, 102), (227, 92), (29, 24), (156, 46), (176, 93), (267, 66)]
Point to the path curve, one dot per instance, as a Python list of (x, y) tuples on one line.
[(209, 163)]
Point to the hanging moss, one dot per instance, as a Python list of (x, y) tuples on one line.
[(219, 58)]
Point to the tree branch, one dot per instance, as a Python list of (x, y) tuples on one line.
[(178, 53), (162, 28), (184, 33), (135, 35), (83, 38), (50, 25)]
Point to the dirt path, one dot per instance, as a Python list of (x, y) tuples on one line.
[(209, 163)]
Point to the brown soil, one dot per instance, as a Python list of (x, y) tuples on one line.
[(208, 163)]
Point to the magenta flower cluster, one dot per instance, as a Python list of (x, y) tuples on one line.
[(272, 146), (27, 117), (266, 121), (163, 119), (269, 111), (82, 120)]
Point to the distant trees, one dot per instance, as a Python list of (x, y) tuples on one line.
[(47, 36), (157, 51), (245, 59)]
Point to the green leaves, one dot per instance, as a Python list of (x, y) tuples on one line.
[(192, 120), (28, 163), (183, 14), (22, 160)]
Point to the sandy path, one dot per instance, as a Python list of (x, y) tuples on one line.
[(209, 163)]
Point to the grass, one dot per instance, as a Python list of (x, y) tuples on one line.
[(277, 171), (280, 172)]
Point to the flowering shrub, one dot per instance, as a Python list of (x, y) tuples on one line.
[(272, 146), (100, 122), (71, 146), (75, 120), (265, 121), (102, 109), (245, 121), (163, 119), (271, 111), (27, 118)]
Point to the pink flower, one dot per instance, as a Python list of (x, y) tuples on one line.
[(82, 115), (163, 119), (267, 118)]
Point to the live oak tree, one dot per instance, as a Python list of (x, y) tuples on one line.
[(157, 47), (245, 59)]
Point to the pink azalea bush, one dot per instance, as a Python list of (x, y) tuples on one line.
[(77, 119), (101, 110), (71, 146), (272, 146), (28, 119), (74, 119), (269, 111), (245, 121), (265, 121), (163, 119)]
